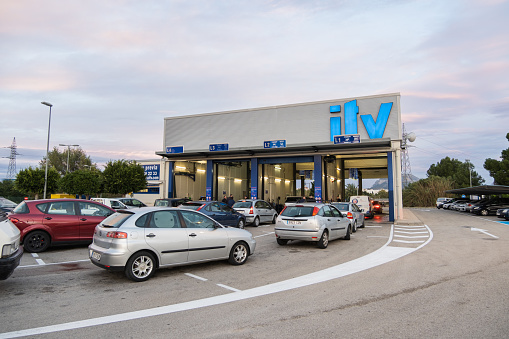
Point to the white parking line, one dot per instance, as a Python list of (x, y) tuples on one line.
[(372, 226), (195, 276), (228, 288), (379, 257), (411, 232), (408, 236), (53, 263), (39, 261), (409, 241), (263, 235)]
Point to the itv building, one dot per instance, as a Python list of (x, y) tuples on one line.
[(273, 152)]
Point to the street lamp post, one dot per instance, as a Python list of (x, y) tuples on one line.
[(68, 153), (47, 149)]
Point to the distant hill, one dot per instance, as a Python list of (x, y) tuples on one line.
[(383, 184)]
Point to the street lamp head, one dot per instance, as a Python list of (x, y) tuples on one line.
[(46, 103)]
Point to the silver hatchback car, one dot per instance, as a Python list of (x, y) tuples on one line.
[(256, 211), (352, 212), (138, 241), (315, 222)]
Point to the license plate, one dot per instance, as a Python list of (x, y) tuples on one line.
[(96, 256), (293, 222), (241, 212)]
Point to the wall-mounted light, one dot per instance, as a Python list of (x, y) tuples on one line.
[(277, 167), (287, 181), (266, 178), (200, 170), (181, 167), (237, 180), (221, 178), (278, 180)]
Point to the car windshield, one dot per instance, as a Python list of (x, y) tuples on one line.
[(298, 211), (7, 203), (341, 207), (191, 205), (242, 204), (116, 219)]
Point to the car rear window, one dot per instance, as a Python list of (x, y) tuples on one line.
[(191, 205), (21, 209), (116, 219), (298, 211), (242, 204), (161, 203)]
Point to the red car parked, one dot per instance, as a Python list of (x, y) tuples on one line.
[(46, 222)]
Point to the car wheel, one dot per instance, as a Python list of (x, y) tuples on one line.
[(484, 212), (241, 224), (354, 229), (140, 267), (282, 242), (274, 219), (238, 253), (348, 232), (324, 240), (36, 241), (256, 222)]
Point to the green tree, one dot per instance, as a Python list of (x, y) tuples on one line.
[(31, 180), (382, 194), (78, 159), (350, 190), (80, 182), (499, 169), (122, 177), (424, 193), (459, 172), (9, 191)]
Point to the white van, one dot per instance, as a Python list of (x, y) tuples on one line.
[(113, 203), (364, 203), (9, 244)]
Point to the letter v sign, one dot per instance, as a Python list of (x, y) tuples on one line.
[(376, 130)]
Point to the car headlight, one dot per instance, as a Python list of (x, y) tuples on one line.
[(9, 249)]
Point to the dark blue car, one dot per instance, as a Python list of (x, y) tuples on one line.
[(218, 211)]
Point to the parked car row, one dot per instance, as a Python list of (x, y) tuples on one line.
[(484, 207), (503, 213), (140, 240)]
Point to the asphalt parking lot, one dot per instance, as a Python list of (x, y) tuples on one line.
[(350, 281)]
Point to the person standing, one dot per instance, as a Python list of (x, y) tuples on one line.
[(230, 200)]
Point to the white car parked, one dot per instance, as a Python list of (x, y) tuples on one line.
[(11, 250), (314, 222), (256, 211), (113, 203)]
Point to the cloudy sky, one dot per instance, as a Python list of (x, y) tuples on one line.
[(114, 69)]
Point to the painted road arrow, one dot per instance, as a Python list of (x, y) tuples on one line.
[(483, 231)]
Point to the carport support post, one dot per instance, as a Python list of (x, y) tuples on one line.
[(391, 186), (317, 173), (209, 180), (171, 179), (254, 178)]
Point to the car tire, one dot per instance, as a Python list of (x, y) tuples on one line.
[(238, 253), (281, 242), (256, 222), (354, 229), (241, 224), (324, 240), (140, 267), (36, 241), (274, 219), (348, 232), (484, 212)]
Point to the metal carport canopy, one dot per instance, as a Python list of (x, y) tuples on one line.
[(481, 190)]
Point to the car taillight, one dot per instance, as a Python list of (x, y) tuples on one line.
[(116, 235), (14, 220), (315, 210), (376, 206), (251, 210), (349, 215)]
